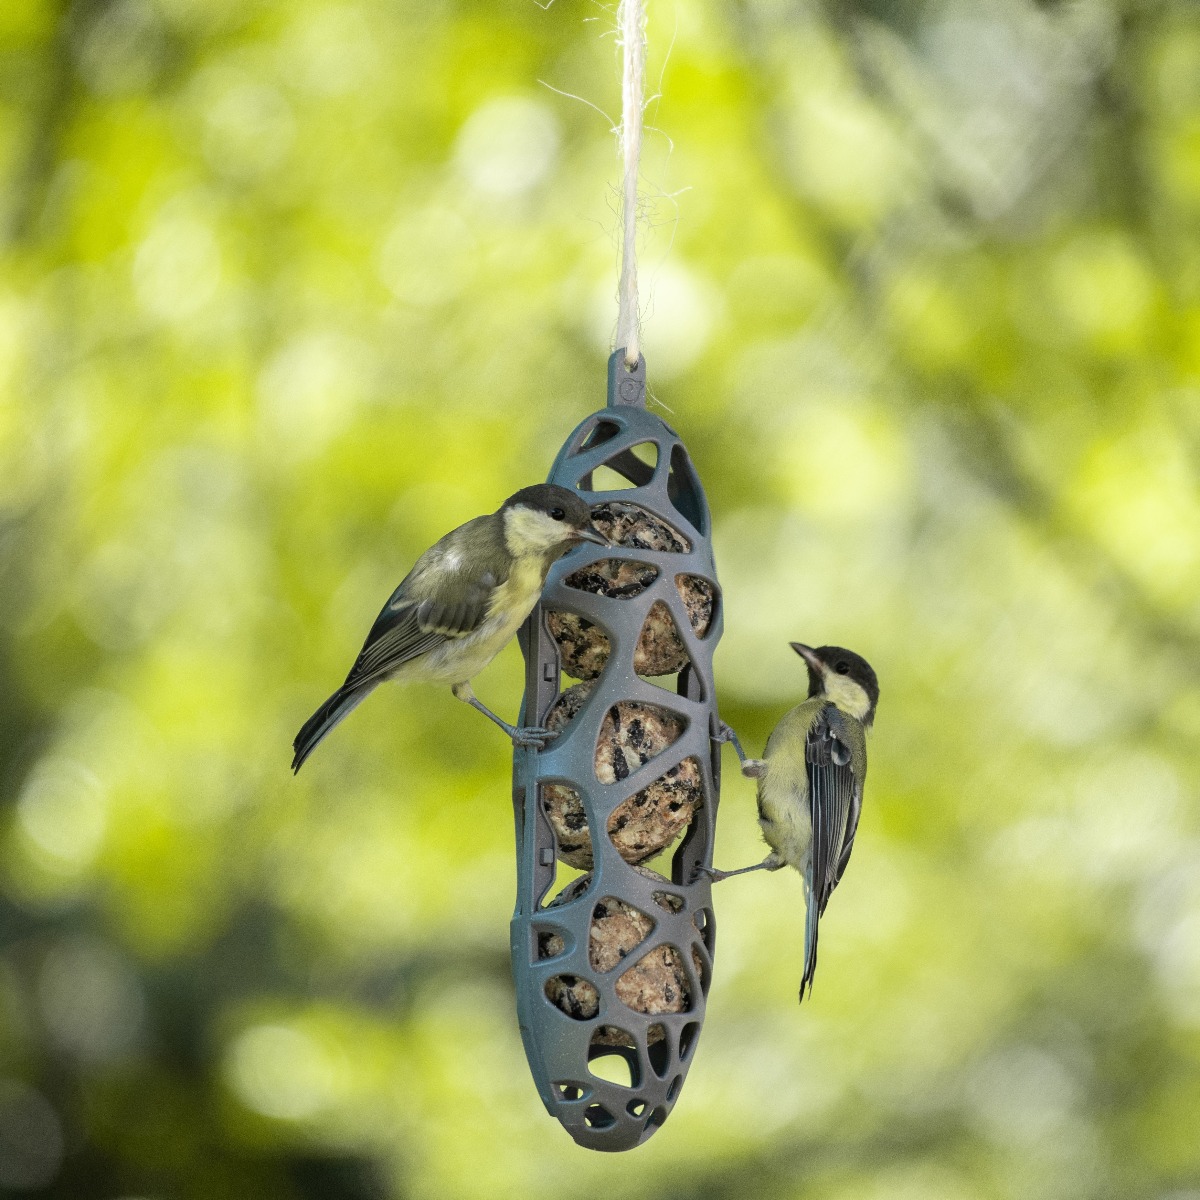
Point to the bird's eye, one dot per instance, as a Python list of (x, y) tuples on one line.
[(843, 667), (557, 514)]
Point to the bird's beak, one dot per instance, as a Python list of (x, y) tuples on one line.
[(590, 534), (809, 655)]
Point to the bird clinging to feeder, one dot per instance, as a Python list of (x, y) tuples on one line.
[(810, 781), (461, 604)]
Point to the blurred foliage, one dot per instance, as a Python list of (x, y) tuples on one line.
[(289, 288)]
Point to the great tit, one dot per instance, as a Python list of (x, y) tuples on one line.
[(460, 604), (810, 781)]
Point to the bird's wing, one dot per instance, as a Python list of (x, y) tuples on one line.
[(835, 792), (445, 596), (853, 736)]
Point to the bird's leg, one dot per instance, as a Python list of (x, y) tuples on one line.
[(770, 863), (752, 768), (523, 735)]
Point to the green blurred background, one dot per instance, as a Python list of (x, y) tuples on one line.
[(290, 287)]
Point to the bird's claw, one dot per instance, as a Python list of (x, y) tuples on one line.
[(713, 874), (533, 735), (725, 734)]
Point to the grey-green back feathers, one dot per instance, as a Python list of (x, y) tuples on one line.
[(446, 595)]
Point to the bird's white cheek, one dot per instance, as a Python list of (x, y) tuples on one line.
[(847, 695), (530, 532)]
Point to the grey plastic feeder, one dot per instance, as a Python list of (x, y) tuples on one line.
[(552, 927)]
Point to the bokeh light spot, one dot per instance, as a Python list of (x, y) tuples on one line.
[(310, 389), (1104, 289), (248, 125), (330, 51), (280, 1072), (62, 811), (177, 268), (508, 145)]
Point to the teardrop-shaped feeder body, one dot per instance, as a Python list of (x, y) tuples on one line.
[(612, 969)]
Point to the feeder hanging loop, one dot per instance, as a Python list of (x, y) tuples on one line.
[(626, 384)]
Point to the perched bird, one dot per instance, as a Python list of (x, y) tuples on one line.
[(810, 781), (460, 604)]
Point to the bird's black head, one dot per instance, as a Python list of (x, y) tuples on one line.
[(547, 519), (558, 503), (845, 677)]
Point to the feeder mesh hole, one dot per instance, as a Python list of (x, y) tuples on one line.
[(601, 432), (617, 929), (702, 970), (699, 598), (660, 649), (687, 1038), (614, 1062), (574, 996), (634, 528), (683, 489), (631, 734), (654, 819), (568, 819), (616, 578), (583, 647), (628, 468), (658, 1051), (549, 944), (596, 1116), (656, 983)]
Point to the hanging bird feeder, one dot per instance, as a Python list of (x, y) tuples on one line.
[(612, 970)]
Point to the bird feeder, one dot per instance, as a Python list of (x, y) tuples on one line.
[(612, 969)]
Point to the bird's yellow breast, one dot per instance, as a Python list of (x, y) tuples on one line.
[(783, 811), (513, 600), (783, 803)]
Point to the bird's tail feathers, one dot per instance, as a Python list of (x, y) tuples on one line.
[(337, 708), (811, 920)]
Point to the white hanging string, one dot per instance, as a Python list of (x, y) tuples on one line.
[(632, 22)]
